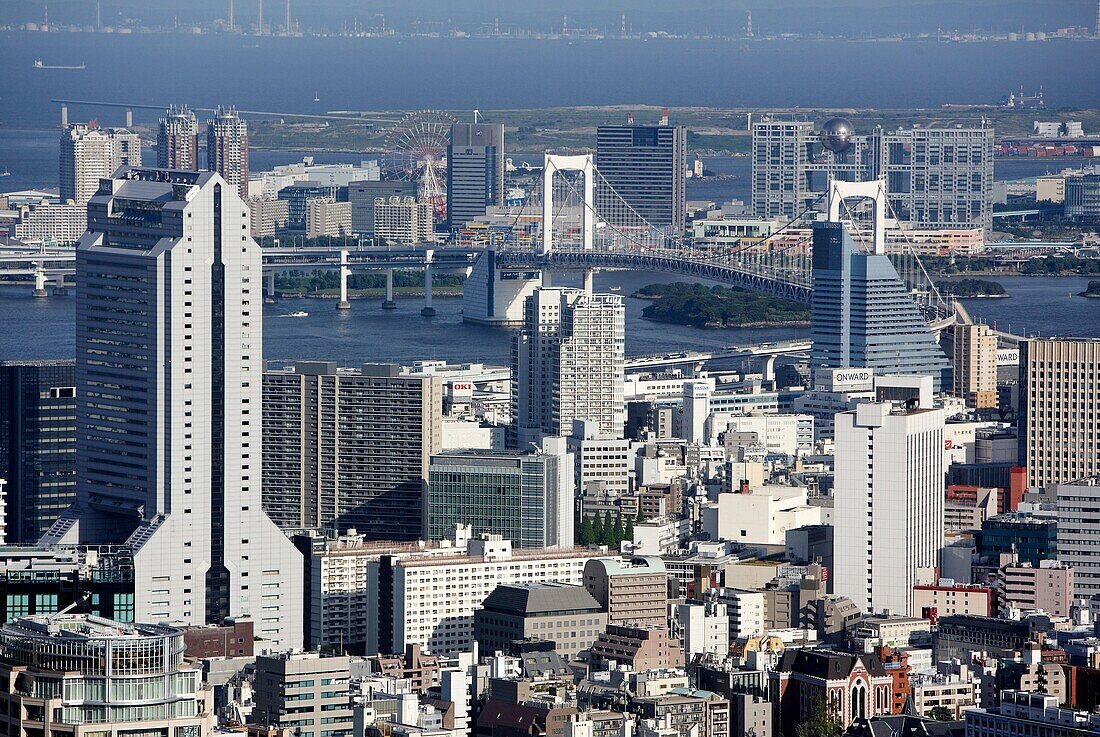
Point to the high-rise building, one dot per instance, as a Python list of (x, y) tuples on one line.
[(889, 476), (1059, 410), (178, 140), (227, 148), (523, 497), (1082, 196), (169, 366), (267, 217), (74, 674), (475, 171), (362, 195), (567, 364), (89, 153), (645, 166), (403, 220), (37, 443), (1078, 527), (863, 316), (349, 448), (936, 178), (974, 363), (303, 692)]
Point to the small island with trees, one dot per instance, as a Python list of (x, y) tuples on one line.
[(1092, 291), (700, 306), (972, 288)]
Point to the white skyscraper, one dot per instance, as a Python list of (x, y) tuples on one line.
[(89, 153), (567, 364), (889, 499), (169, 373)]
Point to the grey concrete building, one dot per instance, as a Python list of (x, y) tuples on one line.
[(646, 166), (169, 360), (475, 171), (349, 448), (556, 612), (362, 195), (304, 693), (37, 445)]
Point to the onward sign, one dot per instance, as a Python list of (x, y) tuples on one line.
[(843, 379)]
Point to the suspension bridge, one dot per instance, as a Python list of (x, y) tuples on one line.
[(576, 220)]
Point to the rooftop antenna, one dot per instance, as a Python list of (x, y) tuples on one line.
[(476, 114)]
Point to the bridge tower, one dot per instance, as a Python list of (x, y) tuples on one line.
[(587, 166), (873, 190)]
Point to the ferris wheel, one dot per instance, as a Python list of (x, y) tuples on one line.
[(416, 151)]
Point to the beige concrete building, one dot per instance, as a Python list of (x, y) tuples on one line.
[(633, 591), (641, 648), (975, 365), (1050, 189), (267, 216), (403, 220), (303, 693), (1048, 586), (1059, 410), (947, 600), (325, 217)]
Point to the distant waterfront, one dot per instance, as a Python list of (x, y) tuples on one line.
[(43, 328)]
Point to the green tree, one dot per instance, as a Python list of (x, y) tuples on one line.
[(628, 533), (822, 721), (597, 529), (617, 532), (584, 530), (941, 714)]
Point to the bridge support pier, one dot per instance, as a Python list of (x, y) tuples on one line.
[(345, 271), (589, 275), (40, 284), (428, 310), (767, 367), (388, 303), (269, 286)]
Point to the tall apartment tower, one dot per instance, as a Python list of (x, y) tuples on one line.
[(781, 151), (974, 361), (178, 140), (1059, 410), (645, 166), (889, 502), (567, 364), (475, 171), (89, 153), (938, 177), (37, 439), (862, 315), (169, 370), (227, 149), (349, 448)]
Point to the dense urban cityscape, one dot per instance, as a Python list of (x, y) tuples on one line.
[(854, 490)]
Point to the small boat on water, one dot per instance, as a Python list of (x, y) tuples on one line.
[(39, 64), (616, 289), (297, 313)]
